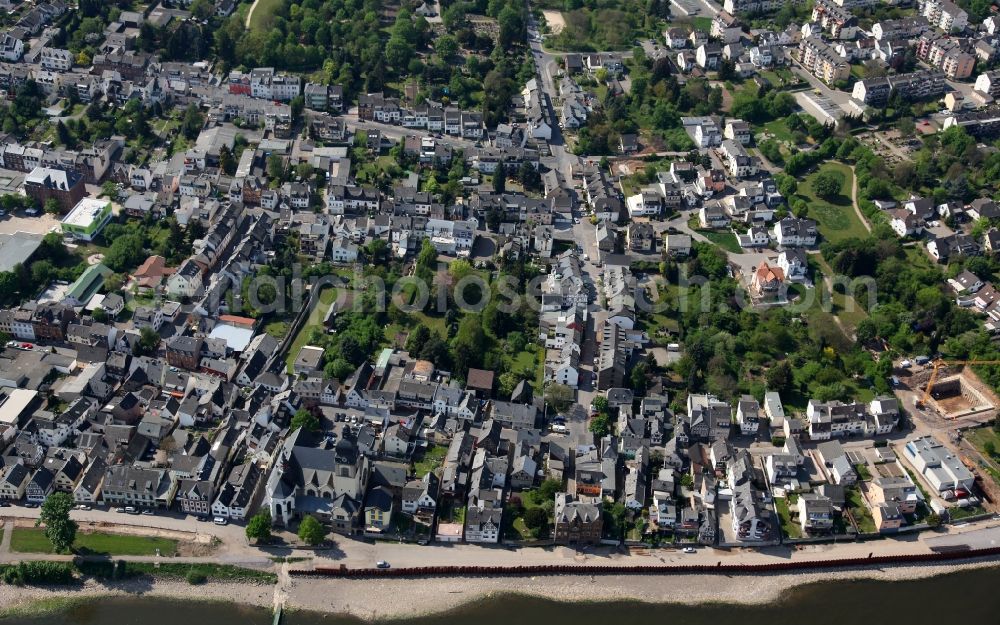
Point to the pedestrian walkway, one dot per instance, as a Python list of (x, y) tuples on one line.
[(8, 533)]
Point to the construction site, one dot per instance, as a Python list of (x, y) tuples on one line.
[(954, 391), (955, 396)]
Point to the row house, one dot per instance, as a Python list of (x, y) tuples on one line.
[(752, 518), (266, 84), (376, 107), (129, 64), (126, 485), (837, 419), (41, 15), (903, 28), (238, 493), (943, 249), (739, 7), (320, 97), (487, 159), (272, 115), (536, 105)]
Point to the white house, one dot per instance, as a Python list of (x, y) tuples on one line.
[(793, 263), (11, 48), (186, 281)]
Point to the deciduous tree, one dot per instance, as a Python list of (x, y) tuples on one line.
[(59, 528)]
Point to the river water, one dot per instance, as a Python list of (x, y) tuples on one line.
[(968, 597)]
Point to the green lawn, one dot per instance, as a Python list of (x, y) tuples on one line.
[(782, 77), (530, 499), (863, 472), (979, 438), (326, 298), (789, 526), (836, 218), (262, 14), (726, 240), (957, 514), (702, 23), (431, 460), (277, 329), (529, 361), (862, 516), (32, 540), (844, 305), (779, 129)]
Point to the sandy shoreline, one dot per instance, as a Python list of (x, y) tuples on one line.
[(365, 599), (15, 598)]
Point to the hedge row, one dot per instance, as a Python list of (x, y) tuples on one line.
[(37, 572)]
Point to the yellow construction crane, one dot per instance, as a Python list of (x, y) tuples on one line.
[(937, 364)]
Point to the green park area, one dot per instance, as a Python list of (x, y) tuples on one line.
[(833, 211), (33, 540)]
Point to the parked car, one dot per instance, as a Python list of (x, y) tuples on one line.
[(381, 564), (690, 550), (83, 506), (220, 520), (131, 510), (148, 512)]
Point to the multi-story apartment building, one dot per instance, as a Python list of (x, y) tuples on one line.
[(66, 187), (839, 22), (989, 83), (823, 61), (951, 56), (56, 59), (726, 27), (917, 85), (735, 7), (945, 15)]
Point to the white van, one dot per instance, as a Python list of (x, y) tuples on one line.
[(220, 520)]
